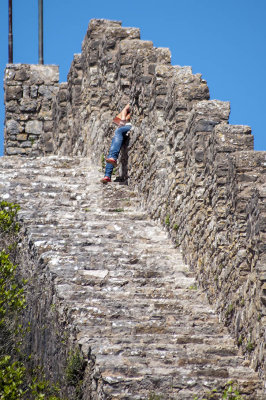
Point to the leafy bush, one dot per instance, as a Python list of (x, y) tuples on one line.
[(17, 381), (14, 386), (8, 214), (11, 379), (75, 371), (12, 296), (12, 302), (41, 389)]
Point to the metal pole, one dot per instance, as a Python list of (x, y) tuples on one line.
[(40, 31), (10, 33)]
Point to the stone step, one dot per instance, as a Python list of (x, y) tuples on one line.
[(133, 303)]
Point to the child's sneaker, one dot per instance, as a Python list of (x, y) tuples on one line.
[(106, 179), (111, 161)]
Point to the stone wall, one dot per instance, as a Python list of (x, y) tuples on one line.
[(29, 90), (49, 340), (196, 173)]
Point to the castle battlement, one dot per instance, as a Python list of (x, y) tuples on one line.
[(194, 173)]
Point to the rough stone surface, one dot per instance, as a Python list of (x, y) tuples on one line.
[(195, 173), (104, 273), (192, 169), (29, 90)]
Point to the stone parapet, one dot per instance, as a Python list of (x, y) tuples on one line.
[(29, 90), (196, 173)]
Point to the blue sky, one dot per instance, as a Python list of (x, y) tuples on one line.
[(224, 40)]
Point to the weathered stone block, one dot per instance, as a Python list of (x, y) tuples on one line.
[(35, 127), (28, 105), (13, 93), (13, 127), (48, 147), (62, 95), (22, 74), (48, 74), (215, 108), (26, 144), (11, 151), (48, 126), (48, 92), (22, 137), (34, 91), (12, 106), (10, 74), (26, 91), (204, 126)]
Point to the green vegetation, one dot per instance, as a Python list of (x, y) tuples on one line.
[(12, 375), (103, 162), (167, 220), (154, 396), (17, 380), (75, 371), (230, 392), (250, 346), (229, 310), (15, 383), (12, 297), (8, 214)]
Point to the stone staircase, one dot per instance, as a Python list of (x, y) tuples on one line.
[(134, 304)]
